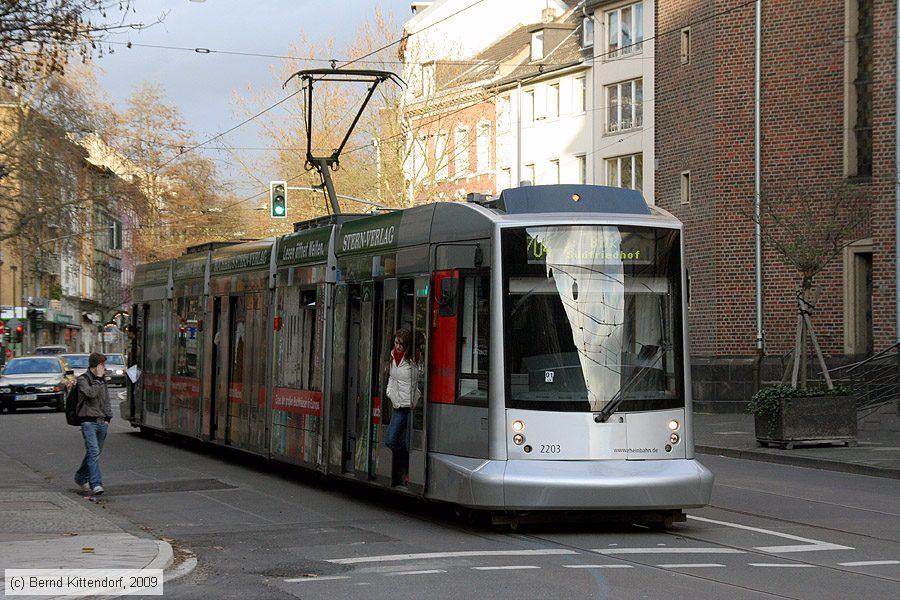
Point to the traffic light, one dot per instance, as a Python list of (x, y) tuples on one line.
[(17, 338), (278, 199)]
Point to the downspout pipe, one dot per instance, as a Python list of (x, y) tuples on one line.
[(757, 195), (518, 181)]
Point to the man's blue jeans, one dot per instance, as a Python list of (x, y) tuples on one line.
[(94, 435)]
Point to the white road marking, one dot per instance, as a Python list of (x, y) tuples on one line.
[(690, 566), (507, 568), (428, 572), (782, 565), (599, 566), (668, 551), (429, 555), (809, 546), (329, 578), (868, 563)]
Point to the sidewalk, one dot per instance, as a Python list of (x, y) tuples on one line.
[(44, 528), (877, 453)]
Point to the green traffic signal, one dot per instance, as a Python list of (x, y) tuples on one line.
[(278, 199)]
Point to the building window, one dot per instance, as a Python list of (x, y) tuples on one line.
[(483, 148), (505, 179), (624, 105), (537, 45), (587, 32), (553, 173), (528, 175), (686, 46), (626, 171), (553, 100), (581, 165), (427, 79), (528, 106), (504, 120), (863, 87), (686, 187), (441, 159), (625, 30), (461, 152), (579, 94), (420, 166)]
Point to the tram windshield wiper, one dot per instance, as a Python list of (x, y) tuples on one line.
[(651, 355)]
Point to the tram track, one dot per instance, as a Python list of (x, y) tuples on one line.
[(587, 549), (620, 559), (769, 517)]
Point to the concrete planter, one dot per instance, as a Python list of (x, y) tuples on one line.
[(809, 420)]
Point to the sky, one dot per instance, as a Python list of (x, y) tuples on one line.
[(202, 85)]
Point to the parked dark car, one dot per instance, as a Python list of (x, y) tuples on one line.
[(33, 381), (45, 350), (115, 369)]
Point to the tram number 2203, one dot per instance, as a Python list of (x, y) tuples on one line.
[(550, 449)]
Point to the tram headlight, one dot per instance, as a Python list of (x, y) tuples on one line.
[(518, 439), (674, 438), (674, 424), (518, 425)]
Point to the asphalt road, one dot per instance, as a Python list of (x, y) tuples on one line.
[(771, 531)]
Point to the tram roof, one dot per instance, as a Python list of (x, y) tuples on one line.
[(242, 257), (569, 198), (155, 273)]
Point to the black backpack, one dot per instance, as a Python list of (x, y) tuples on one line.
[(73, 403)]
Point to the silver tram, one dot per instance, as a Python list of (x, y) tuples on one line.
[(550, 328)]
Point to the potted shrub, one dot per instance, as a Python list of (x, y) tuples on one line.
[(786, 416)]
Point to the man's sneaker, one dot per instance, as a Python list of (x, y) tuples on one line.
[(85, 486), (98, 489)]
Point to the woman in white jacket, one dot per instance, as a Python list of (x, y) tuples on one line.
[(402, 392)]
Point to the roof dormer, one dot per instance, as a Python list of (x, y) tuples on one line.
[(546, 37)]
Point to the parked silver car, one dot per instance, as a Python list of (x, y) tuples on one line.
[(33, 381)]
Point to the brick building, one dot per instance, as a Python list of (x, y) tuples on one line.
[(828, 121)]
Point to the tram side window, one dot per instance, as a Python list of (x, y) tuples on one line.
[(186, 359), (474, 336), (298, 341)]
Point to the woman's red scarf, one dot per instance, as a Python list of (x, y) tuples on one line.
[(398, 356)]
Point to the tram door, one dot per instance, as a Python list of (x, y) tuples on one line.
[(214, 372), (136, 389), (336, 412), (418, 444)]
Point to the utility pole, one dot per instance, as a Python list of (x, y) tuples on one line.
[(13, 268)]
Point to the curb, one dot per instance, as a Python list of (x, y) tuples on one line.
[(800, 461), (165, 556)]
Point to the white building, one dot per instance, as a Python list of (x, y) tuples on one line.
[(544, 112), (623, 64)]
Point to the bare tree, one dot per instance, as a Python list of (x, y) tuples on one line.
[(38, 37), (39, 154), (809, 231), (184, 197)]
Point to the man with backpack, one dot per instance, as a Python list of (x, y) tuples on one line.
[(94, 414)]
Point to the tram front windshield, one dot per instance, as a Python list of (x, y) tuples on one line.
[(592, 317)]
